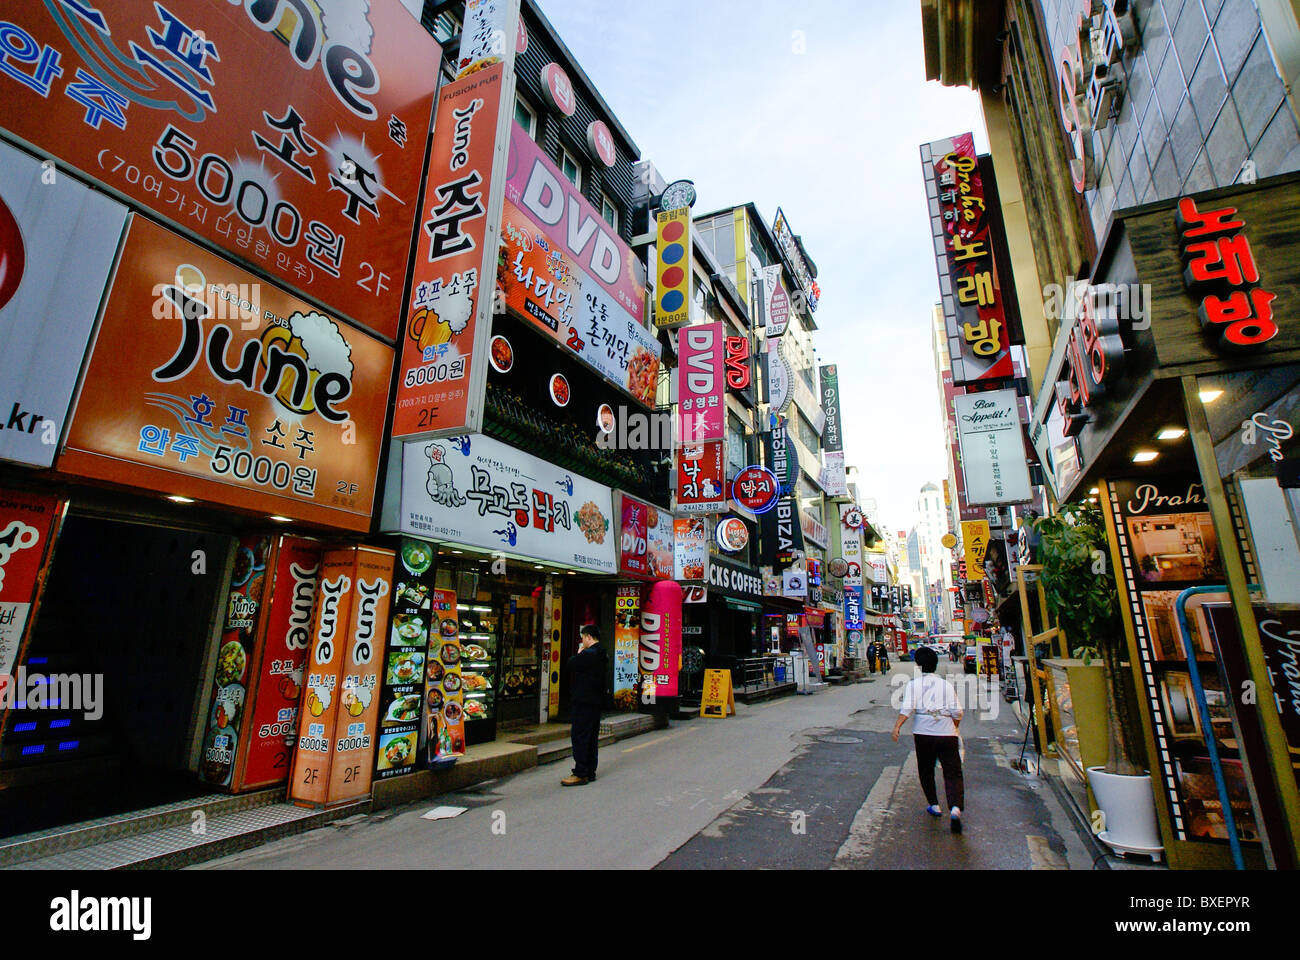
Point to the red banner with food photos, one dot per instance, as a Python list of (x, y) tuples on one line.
[(444, 719), (230, 683), (290, 134), (448, 323), (700, 477), (207, 383), (277, 674)]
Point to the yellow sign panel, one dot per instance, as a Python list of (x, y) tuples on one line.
[(719, 699), (975, 538), (948, 541), (553, 699), (673, 280)]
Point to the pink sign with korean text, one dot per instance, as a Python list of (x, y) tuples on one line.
[(536, 187), (701, 384)]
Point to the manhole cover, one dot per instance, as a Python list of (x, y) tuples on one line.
[(840, 739)]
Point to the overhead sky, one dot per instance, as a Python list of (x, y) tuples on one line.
[(818, 107)]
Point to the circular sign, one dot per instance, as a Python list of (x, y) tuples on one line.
[(559, 390), (838, 567), (600, 143), (732, 534), (949, 541), (678, 194), (523, 37), (559, 89), (853, 518), (605, 418), (501, 355), (755, 490)]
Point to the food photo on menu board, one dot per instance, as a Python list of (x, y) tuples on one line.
[(230, 681)]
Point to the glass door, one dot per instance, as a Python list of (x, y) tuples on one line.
[(521, 666), (479, 637)]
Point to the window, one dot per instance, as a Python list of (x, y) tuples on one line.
[(525, 117), (736, 451), (609, 212), (445, 27), (571, 169)]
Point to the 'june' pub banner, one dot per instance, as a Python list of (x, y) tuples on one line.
[(291, 135)]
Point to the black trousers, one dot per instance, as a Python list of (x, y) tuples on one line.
[(947, 751), (585, 720), (871, 664)]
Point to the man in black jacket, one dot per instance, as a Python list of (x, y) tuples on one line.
[(587, 675)]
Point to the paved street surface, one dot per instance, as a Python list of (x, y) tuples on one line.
[(808, 782)]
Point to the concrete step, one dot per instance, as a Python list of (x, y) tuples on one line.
[(185, 844), (91, 833), (559, 750), (539, 735)]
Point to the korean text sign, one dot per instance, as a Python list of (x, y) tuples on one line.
[(700, 487), (205, 382), (481, 492), (701, 383), (448, 320), (992, 448), (572, 225), (974, 313), (547, 287), (645, 540), (292, 135)]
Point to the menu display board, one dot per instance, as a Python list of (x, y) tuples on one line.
[(411, 651), (546, 287), (306, 166), (444, 689), (208, 383), (627, 638), (276, 671), (230, 684), (690, 548), (479, 491), (29, 524), (50, 291)]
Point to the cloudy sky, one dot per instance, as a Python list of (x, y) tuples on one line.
[(817, 107)]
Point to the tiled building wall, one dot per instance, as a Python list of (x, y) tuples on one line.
[(1202, 96)]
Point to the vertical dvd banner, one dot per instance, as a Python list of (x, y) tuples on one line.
[(448, 326)]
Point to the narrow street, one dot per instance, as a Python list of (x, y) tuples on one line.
[(801, 782)]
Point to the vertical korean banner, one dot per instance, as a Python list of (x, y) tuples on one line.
[(449, 314), (975, 542), (627, 637), (278, 674), (29, 524), (309, 785), (835, 481), (974, 314), (701, 384)]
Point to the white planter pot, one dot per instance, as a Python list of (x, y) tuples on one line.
[(1130, 809)]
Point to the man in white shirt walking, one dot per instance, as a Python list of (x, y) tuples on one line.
[(931, 702)]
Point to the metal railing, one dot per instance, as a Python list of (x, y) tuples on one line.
[(761, 673)]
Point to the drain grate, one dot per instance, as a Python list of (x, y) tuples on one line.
[(839, 739)]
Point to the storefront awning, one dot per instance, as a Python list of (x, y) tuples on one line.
[(743, 605)]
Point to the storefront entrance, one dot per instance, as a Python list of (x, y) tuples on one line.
[(127, 619)]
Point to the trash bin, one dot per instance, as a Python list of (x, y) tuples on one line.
[(779, 671)]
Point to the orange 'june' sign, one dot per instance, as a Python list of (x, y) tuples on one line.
[(206, 383), (290, 134), (449, 321)]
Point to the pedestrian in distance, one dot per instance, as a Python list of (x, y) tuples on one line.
[(931, 702), (882, 657), (587, 678), (872, 650)]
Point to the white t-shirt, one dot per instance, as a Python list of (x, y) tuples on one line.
[(931, 702)]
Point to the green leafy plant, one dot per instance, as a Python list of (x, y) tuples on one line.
[(1080, 590)]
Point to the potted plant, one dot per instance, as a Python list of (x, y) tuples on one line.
[(1081, 593)]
